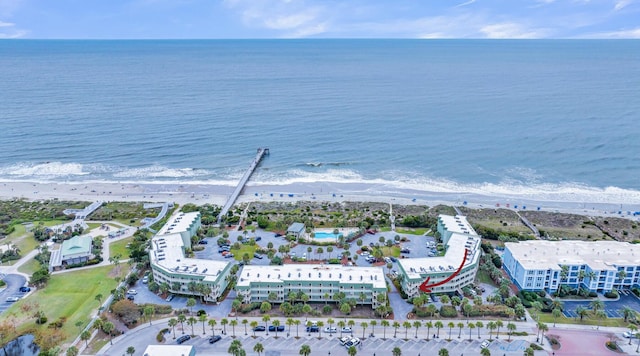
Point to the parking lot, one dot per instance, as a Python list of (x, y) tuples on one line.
[(612, 308), (14, 282), (290, 346)]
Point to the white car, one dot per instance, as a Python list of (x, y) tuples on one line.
[(630, 334), (346, 330), (344, 340), (352, 342), (13, 299), (330, 330), (132, 292), (484, 344), (364, 253)]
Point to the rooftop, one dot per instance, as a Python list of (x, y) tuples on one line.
[(313, 272), (458, 243), (167, 252), (168, 350), (178, 223), (599, 255), (457, 224), (76, 245), (296, 227)]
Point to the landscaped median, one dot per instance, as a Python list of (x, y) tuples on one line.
[(68, 298)]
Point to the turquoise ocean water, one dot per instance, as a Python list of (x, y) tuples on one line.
[(496, 117)]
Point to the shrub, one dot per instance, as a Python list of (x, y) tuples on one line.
[(611, 295), (593, 294), (245, 308), (160, 336), (447, 311)]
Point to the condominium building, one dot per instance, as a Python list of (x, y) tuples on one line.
[(462, 252), (598, 266), (170, 265), (320, 282)]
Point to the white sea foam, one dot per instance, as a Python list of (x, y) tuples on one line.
[(45, 169), (158, 171)]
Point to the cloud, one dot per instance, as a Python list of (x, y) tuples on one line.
[(6, 24), (621, 4), (622, 34), (466, 3), (294, 18), (512, 30), (8, 30)]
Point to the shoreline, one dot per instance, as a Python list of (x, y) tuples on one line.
[(217, 194)]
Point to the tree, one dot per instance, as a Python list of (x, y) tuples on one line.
[(191, 302), (396, 351), (556, 314), (108, 328), (373, 324), (172, 324), (438, 324), (352, 351), (259, 348), (148, 311), (479, 325), (73, 351), (203, 319), (529, 352), (450, 324), (99, 298), (581, 312), (499, 324), (512, 328), (627, 313), (85, 336), (485, 352), (443, 352), (417, 324), (131, 350), (126, 310), (460, 326), (253, 325), (276, 323), (266, 318), (212, 324), (265, 307), (491, 326), (233, 324), (181, 319), (384, 325), (224, 322), (245, 322), (235, 348), (543, 328), (192, 321), (305, 350), (596, 305), (471, 327), (395, 325)]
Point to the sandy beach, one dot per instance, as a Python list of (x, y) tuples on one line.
[(322, 191)]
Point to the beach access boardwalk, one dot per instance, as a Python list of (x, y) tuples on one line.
[(243, 181), (529, 225)]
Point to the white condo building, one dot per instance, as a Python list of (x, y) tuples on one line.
[(317, 281), (537, 265), (169, 264), (457, 236)]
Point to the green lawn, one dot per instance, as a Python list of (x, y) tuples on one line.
[(418, 231), (237, 254), (30, 267), (391, 251), (93, 225), (70, 295), (120, 247), (547, 318), (483, 277)]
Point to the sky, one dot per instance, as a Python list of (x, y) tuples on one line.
[(239, 19)]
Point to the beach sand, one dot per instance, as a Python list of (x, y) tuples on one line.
[(330, 192)]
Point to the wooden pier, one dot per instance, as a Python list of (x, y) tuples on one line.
[(243, 181)]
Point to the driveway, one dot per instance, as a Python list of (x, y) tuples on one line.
[(611, 308), (14, 282)]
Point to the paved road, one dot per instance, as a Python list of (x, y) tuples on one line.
[(611, 307)]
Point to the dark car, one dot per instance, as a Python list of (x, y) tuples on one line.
[(313, 329), (130, 297), (273, 328), (258, 238), (214, 339), (259, 328), (393, 259), (255, 255), (222, 249), (183, 338), (25, 289), (371, 244), (203, 242)]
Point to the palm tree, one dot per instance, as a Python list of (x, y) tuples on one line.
[(266, 319), (485, 352), (297, 323), (192, 321), (181, 319), (108, 328), (373, 324), (581, 312), (407, 326), (212, 323), (460, 326), (621, 276), (511, 327), (543, 328), (352, 351), (471, 327), (259, 348), (628, 313), (443, 352), (384, 325), (499, 324), (395, 325), (305, 350), (632, 330), (396, 351), (245, 322), (438, 324), (203, 319), (450, 324), (224, 322), (235, 347), (172, 324), (276, 323), (131, 350), (529, 351), (364, 326), (479, 325), (253, 325), (429, 325), (417, 324), (491, 326), (190, 304), (556, 314), (233, 323)]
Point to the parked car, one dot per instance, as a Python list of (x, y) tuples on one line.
[(169, 298), (313, 329), (484, 344), (343, 340), (405, 250), (214, 339), (203, 242), (258, 238), (255, 255), (393, 259), (132, 292), (130, 297), (13, 299), (352, 342), (371, 244), (25, 289), (229, 255), (330, 330), (183, 339), (630, 334), (145, 279), (259, 328), (346, 330), (273, 328), (223, 249)]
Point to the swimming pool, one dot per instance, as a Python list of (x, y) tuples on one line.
[(326, 235)]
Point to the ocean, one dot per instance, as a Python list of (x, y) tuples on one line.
[(544, 119)]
